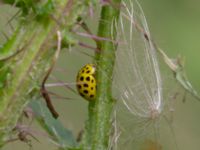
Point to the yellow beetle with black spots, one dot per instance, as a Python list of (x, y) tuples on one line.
[(86, 82)]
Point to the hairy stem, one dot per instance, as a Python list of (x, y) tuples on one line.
[(27, 56), (98, 126)]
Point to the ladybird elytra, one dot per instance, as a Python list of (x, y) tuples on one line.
[(86, 82)]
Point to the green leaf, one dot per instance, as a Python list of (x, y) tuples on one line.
[(53, 126), (178, 69), (4, 74)]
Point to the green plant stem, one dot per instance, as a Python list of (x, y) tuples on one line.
[(37, 40), (98, 126)]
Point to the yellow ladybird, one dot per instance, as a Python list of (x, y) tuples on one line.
[(86, 82)]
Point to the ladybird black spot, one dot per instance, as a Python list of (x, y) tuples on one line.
[(92, 80), (81, 78), (88, 71), (87, 68), (83, 71), (92, 88), (85, 91), (82, 95), (88, 78), (85, 85), (79, 86), (91, 96)]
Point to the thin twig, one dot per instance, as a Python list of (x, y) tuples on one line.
[(43, 89)]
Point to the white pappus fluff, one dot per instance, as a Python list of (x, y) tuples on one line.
[(138, 73), (137, 80)]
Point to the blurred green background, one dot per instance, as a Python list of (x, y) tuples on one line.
[(174, 24), (175, 27)]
